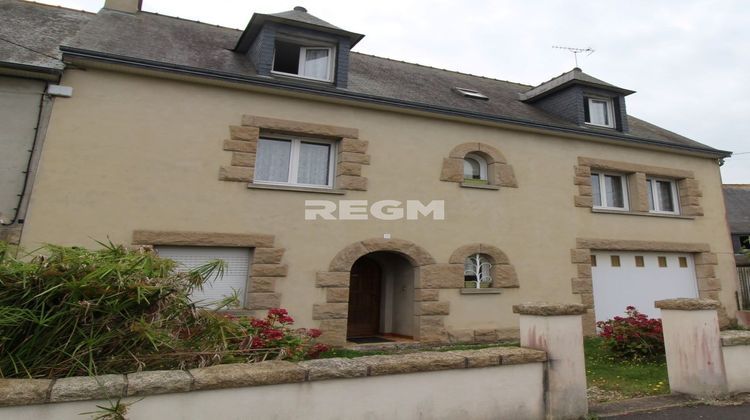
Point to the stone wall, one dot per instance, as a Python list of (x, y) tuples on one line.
[(736, 351), (427, 385)]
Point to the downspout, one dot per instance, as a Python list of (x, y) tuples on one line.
[(29, 163)]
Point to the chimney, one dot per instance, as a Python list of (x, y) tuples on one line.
[(127, 6)]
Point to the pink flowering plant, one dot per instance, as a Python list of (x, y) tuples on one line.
[(274, 337), (634, 337)]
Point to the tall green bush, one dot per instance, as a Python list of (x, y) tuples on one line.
[(71, 311)]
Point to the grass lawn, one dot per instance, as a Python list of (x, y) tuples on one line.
[(612, 380)]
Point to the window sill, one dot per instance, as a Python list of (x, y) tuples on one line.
[(487, 291), (642, 213), (480, 186), (295, 189)]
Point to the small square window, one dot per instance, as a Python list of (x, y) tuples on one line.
[(295, 161), (683, 262), (615, 260), (662, 262), (599, 112), (593, 260), (662, 196), (639, 261), (609, 191), (744, 241)]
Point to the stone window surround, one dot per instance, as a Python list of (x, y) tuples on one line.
[(243, 143), (503, 273), (636, 174), (705, 264), (500, 173), (265, 268)]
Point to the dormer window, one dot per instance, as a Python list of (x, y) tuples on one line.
[(309, 62), (600, 112)]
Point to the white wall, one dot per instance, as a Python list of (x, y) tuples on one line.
[(397, 298), (737, 364), (512, 392)]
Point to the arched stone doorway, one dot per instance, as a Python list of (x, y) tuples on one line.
[(381, 298), (405, 261)]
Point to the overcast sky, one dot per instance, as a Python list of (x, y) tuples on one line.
[(687, 60)]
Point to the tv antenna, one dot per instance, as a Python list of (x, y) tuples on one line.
[(576, 51)]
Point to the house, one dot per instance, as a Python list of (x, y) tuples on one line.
[(371, 197), (737, 202), (30, 68)]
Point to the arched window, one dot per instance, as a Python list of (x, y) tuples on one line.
[(477, 271), (475, 168)]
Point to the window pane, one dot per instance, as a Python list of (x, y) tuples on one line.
[(313, 163), (316, 63), (650, 194), (595, 190), (613, 186), (472, 169), (272, 162), (598, 112), (286, 58), (665, 196)]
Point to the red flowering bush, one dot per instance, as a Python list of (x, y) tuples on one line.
[(274, 337), (633, 337)]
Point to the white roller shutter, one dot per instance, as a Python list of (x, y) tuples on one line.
[(615, 287), (235, 274)]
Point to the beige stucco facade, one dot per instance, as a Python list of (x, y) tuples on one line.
[(132, 152)]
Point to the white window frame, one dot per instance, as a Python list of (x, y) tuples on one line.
[(482, 167), (603, 191), (610, 111), (655, 196), (301, 63), (294, 161)]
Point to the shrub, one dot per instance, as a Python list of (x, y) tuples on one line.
[(71, 311), (633, 337)]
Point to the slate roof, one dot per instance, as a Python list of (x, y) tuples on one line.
[(566, 79), (182, 45), (37, 27), (737, 202)]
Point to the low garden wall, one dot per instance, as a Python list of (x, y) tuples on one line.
[(735, 346), (474, 384)]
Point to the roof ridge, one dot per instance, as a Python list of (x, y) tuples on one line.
[(189, 20), (438, 68), (57, 6)]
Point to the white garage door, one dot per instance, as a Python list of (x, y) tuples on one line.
[(235, 274), (638, 279)]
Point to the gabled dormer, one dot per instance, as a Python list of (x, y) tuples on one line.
[(582, 99), (298, 46)]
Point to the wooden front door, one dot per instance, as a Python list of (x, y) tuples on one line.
[(364, 299)]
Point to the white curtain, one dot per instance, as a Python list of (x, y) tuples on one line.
[(665, 196), (613, 186), (598, 112), (316, 63), (272, 162), (313, 163)]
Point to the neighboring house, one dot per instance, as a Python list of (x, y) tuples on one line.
[(30, 62), (737, 201), (208, 142)]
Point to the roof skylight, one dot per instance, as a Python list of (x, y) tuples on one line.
[(471, 93)]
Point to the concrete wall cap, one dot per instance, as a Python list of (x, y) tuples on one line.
[(15, 392), (735, 338), (686, 304), (549, 309)]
